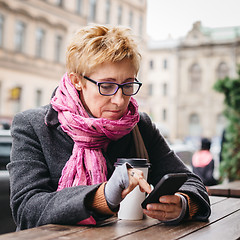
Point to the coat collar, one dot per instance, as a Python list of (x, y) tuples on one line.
[(51, 117)]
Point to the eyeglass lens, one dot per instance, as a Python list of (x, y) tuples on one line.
[(111, 88)]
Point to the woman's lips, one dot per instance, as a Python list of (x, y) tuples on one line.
[(115, 113)]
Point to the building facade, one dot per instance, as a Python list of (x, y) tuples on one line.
[(178, 74), (33, 39), (181, 76)]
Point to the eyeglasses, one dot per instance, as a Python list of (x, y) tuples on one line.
[(110, 88)]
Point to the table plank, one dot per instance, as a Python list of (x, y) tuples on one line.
[(231, 189), (104, 230), (216, 199), (49, 231), (46, 232), (163, 232), (219, 190), (235, 192), (227, 228), (121, 229)]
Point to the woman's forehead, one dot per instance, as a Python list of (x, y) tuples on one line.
[(125, 66)]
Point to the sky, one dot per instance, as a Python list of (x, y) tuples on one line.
[(175, 17)]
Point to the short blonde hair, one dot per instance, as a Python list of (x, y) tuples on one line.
[(93, 45)]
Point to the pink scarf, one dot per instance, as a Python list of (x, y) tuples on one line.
[(87, 165)]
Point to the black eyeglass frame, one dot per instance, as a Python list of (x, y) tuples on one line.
[(119, 86)]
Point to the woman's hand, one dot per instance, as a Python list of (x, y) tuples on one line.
[(136, 177), (169, 208), (123, 180)]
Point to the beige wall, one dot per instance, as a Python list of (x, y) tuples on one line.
[(181, 101), (205, 102)]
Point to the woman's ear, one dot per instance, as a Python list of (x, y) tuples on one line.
[(76, 82)]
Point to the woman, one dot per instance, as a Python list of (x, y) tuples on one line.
[(63, 154)]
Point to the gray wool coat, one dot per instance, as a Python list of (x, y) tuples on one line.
[(41, 149)]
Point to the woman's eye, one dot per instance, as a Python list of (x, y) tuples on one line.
[(128, 86), (108, 86)]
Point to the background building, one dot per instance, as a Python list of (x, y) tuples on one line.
[(33, 39), (178, 74), (181, 76)]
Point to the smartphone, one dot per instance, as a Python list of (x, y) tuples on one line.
[(168, 185)]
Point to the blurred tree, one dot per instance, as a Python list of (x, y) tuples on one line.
[(230, 164)]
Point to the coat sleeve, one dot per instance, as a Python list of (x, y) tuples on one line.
[(34, 199), (164, 161)]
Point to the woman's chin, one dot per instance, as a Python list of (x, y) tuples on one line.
[(112, 115)]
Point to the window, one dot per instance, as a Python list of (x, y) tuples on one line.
[(151, 64), (222, 70), (20, 36), (108, 11), (15, 93), (58, 48), (165, 89), (92, 10), (17, 97), (40, 38), (131, 19), (119, 15), (1, 30), (164, 114), (79, 7), (194, 125), (38, 98), (140, 26), (165, 64), (59, 3), (195, 77), (150, 89)]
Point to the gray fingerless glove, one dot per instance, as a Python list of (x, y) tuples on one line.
[(115, 185)]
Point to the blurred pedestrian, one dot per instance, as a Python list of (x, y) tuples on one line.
[(203, 163)]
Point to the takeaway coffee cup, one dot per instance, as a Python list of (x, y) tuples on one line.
[(130, 207)]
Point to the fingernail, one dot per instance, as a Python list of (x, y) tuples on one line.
[(149, 207), (162, 199)]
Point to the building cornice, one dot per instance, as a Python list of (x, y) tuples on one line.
[(21, 62), (45, 13)]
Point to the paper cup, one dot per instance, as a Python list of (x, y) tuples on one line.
[(130, 207)]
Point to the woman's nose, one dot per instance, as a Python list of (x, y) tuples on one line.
[(118, 97)]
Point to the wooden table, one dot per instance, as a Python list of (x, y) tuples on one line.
[(223, 223), (231, 189)]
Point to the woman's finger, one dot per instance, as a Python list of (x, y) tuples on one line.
[(161, 215), (143, 184), (174, 199), (170, 207), (136, 177), (163, 212)]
